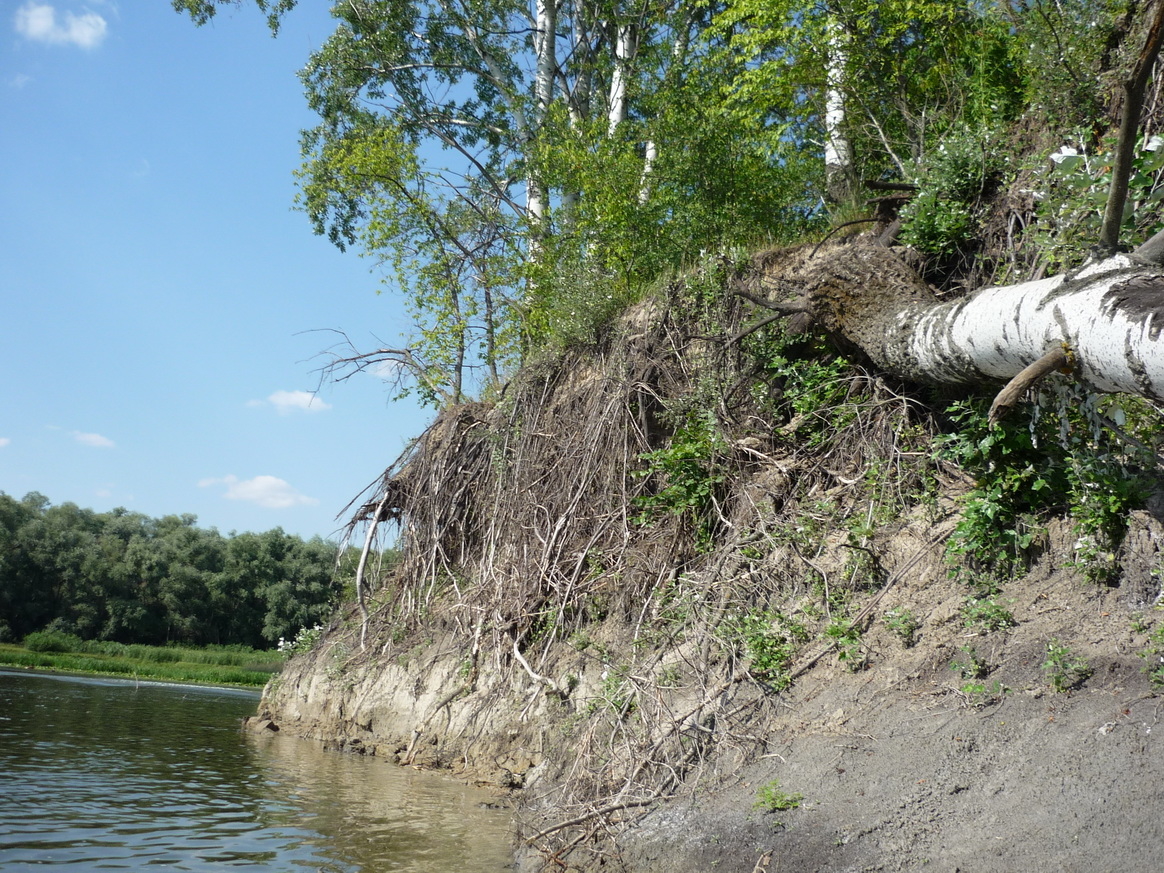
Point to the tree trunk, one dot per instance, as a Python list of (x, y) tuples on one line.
[(1106, 317), (838, 153), (617, 100)]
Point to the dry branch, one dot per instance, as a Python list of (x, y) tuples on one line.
[(1016, 388)]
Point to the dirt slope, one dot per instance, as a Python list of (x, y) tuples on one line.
[(900, 770)]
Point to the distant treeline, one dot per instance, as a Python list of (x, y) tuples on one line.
[(125, 577)]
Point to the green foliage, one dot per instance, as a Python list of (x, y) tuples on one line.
[(1065, 670), (770, 641), (986, 613), (125, 578), (525, 206), (203, 11), (305, 640), (896, 56), (846, 639), (980, 694), (803, 380), (690, 474), (971, 666), (903, 624), (999, 522), (52, 641), (943, 219), (669, 676), (555, 200), (617, 693), (713, 183), (237, 666), (771, 798), (1062, 457), (1153, 655), (1064, 47), (1073, 190)]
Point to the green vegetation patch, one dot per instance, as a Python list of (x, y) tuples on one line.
[(227, 666)]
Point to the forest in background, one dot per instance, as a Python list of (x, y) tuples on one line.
[(125, 577)]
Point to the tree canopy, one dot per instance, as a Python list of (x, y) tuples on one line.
[(523, 170)]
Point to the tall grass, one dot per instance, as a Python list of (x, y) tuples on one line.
[(217, 665)]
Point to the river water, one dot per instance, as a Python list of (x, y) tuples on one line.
[(113, 775)]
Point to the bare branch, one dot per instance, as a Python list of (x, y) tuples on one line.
[(1057, 359)]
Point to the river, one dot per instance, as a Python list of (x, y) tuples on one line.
[(105, 775)]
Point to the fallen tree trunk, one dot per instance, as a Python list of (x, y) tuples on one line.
[(1106, 317)]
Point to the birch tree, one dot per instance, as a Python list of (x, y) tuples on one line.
[(870, 86), (500, 158), (1099, 324)]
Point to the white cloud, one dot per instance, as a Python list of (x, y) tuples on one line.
[(4, 441), (18, 81), (93, 439), (389, 371), (267, 491), (287, 402), (38, 22)]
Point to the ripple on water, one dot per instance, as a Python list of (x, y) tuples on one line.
[(109, 776)]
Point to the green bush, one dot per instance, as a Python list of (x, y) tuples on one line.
[(770, 641), (1153, 656), (52, 641), (771, 798), (1075, 185), (943, 218), (688, 474), (903, 624), (1062, 455)]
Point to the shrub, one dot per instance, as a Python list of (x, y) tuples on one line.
[(943, 219), (52, 641), (902, 623), (1065, 670)]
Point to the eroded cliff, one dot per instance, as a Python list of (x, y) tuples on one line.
[(687, 596)]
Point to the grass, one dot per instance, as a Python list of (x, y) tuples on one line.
[(211, 666), (771, 798)]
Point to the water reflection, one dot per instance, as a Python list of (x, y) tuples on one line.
[(382, 817), (114, 775)]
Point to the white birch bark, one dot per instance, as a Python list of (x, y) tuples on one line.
[(545, 42), (1108, 317), (837, 150), (582, 52), (624, 48), (650, 155)]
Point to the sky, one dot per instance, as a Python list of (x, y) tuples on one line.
[(163, 307)]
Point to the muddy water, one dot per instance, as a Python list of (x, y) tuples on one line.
[(98, 775)]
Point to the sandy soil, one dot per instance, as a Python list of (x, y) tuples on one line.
[(901, 770)]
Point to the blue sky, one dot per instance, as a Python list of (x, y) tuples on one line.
[(161, 303)]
